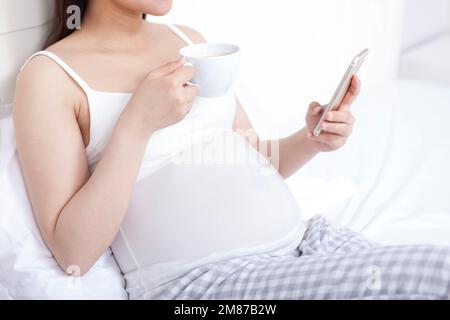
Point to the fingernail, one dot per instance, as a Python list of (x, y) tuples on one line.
[(188, 64), (317, 109)]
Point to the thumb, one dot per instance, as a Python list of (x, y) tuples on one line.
[(315, 108), (166, 69)]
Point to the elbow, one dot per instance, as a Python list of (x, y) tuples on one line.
[(74, 258), (74, 265), (75, 269)]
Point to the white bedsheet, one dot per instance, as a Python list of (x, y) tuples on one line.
[(392, 181)]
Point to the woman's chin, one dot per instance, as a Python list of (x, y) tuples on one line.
[(159, 8), (159, 13)]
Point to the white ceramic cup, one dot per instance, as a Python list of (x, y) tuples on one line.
[(216, 65)]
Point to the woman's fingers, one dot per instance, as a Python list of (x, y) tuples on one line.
[(166, 69), (183, 75), (333, 141), (352, 93), (341, 129), (191, 92), (340, 117), (315, 109)]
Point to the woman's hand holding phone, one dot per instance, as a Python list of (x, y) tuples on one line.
[(338, 125)]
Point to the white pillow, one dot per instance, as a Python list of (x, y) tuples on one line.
[(27, 268)]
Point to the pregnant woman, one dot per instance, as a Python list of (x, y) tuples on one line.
[(105, 120)]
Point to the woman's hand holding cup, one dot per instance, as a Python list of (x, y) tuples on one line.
[(163, 99)]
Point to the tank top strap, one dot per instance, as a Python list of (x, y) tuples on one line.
[(83, 85), (183, 36)]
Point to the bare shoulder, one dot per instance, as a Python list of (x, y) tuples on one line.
[(193, 34), (42, 76), (39, 71)]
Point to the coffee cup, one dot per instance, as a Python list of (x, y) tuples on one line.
[(216, 65)]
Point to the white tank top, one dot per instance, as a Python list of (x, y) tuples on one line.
[(203, 193)]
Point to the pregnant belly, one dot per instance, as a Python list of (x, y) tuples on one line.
[(183, 212)]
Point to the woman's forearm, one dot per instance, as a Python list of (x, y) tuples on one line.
[(295, 152), (91, 219), (289, 154)]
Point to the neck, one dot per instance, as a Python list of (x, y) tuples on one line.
[(111, 25)]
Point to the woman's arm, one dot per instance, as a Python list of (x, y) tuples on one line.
[(79, 215), (297, 150)]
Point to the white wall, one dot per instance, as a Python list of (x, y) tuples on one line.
[(23, 29), (296, 51), (425, 19)]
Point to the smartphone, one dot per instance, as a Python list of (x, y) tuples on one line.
[(342, 89)]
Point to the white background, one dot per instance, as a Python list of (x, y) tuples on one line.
[(424, 20)]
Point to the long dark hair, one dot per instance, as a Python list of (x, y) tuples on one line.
[(59, 28)]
